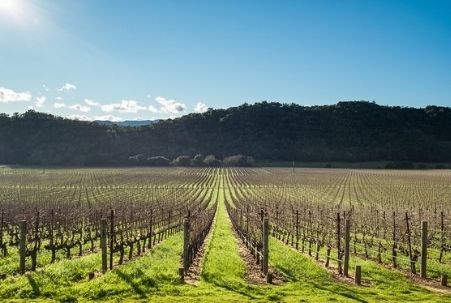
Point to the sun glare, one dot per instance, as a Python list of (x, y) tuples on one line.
[(12, 8)]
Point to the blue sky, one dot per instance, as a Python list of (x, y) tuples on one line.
[(156, 59)]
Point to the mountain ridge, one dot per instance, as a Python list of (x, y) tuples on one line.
[(127, 123)]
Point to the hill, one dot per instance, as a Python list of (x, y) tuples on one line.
[(346, 131), (127, 123)]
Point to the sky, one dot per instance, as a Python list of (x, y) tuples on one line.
[(117, 60)]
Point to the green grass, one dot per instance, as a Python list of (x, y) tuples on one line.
[(314, 284), (154, 276)]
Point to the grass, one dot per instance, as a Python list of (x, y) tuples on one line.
[(154, 276)]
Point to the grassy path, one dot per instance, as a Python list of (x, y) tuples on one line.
[(223, 265)]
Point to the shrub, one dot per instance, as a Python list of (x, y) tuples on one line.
[(211, 160), (238, 160), (198, 160), (158, 161), (182, 161), (138, 159)]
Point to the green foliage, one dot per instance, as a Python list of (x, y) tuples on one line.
[(139, 159), (211, 160), (158, 161), (198, 160), (238, 160), (346, 131), (182, 161)]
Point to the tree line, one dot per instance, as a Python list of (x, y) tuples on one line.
[(270, 131)]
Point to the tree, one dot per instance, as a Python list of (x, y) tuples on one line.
[(138, 159), (158, 161), (182, 161), (238, 160), (211, 160), (198, 160)]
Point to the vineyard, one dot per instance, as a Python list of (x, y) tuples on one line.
[(224, 234)]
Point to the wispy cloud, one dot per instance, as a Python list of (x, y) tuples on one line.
[(67, 87), (200, 107), (77, 107), (40, 101), (8, 95), (152, 109), (59, 105), (80, 117), (91, 102), (125, 106), (108, 118), (170, 106)]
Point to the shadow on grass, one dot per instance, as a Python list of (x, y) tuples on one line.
[(345, 292), (34, 286), (129, 280), (238, 288)]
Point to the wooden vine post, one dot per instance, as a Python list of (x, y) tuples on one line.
[(186, 227), (409, 243), (149, 245), (297, 229), (358, 275), (247, 220), (347, 244), (424, 249), (34, 251), (340, 270), (394, 247), (442, 237), (103, 245), (51, 235), (22, 246), (1, 235), (265, 245), (444, 280), (111, 238), (241, 218)]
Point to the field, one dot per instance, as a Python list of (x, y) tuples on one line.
[(224, 235)]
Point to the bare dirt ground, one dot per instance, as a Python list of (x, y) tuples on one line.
[(195, 270), (253, 273)]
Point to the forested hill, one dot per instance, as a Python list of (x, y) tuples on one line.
[(346, 131)]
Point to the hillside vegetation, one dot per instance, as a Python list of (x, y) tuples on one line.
[(346, 131)]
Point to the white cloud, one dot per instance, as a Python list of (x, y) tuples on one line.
[(200, 107), (59, 98), (80, 117), (148, 96), (40, 101), (108, 117), (126, 106), (67, 87), (59, 105), (80, 107), (152, 109), (8, 95), (170, 106), (45, 87), (92, 102)]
